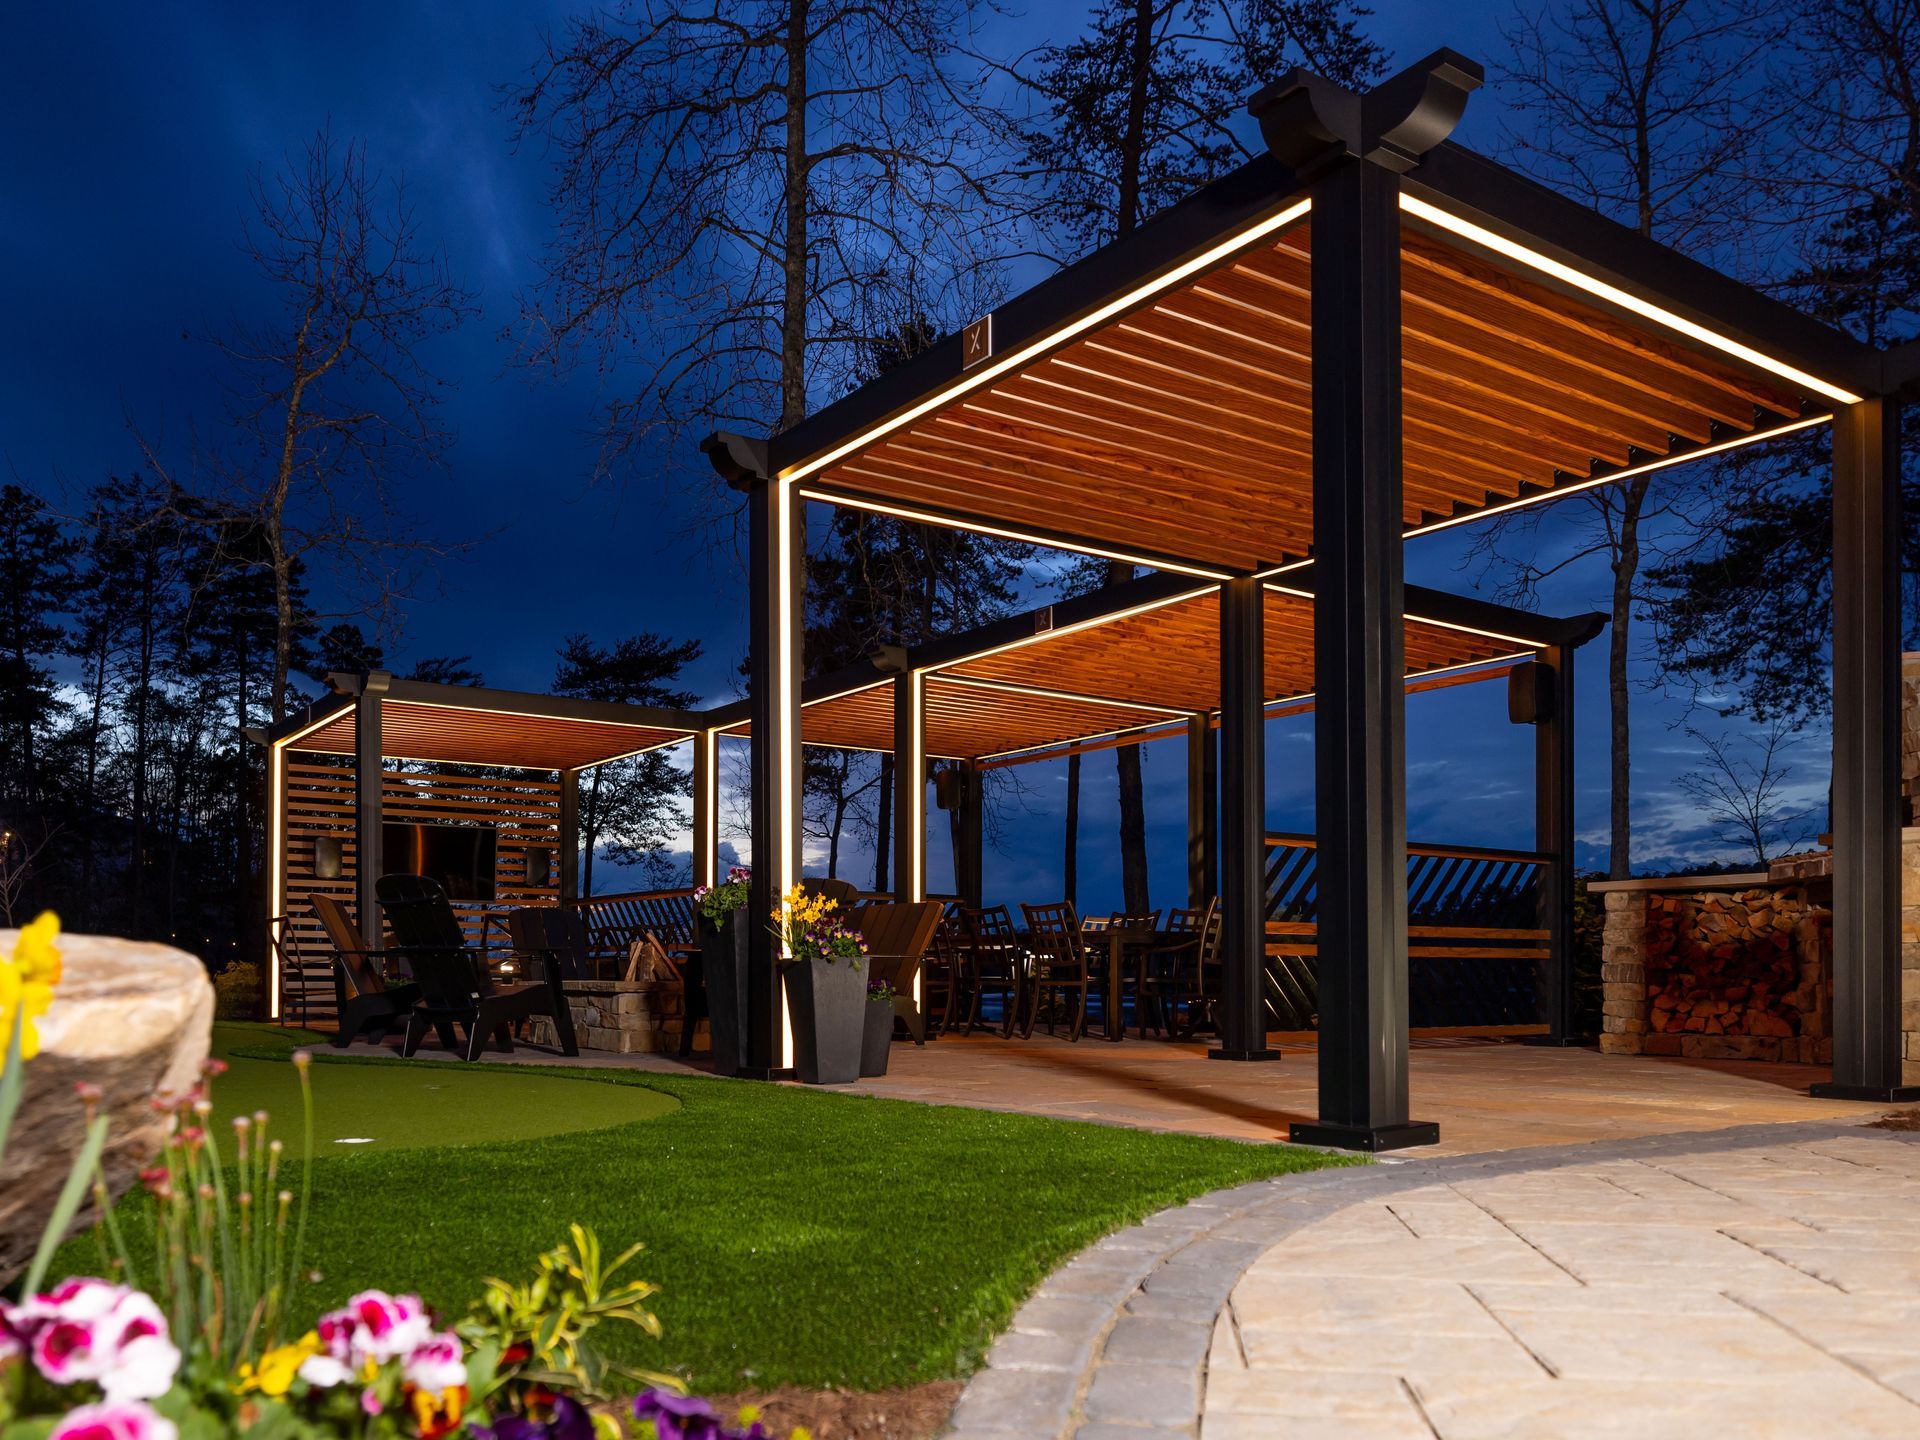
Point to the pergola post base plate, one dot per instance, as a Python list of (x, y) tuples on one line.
[(1558, 1042), (761, 1072), (1881, 1094), (1371, 1138), (1260, 1054)]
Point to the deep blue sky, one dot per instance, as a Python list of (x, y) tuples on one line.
[(131, 134)]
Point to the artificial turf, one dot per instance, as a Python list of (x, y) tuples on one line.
[(798, 1237)]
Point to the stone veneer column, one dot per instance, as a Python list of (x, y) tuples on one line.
[(1910, 957), (1623, 973)]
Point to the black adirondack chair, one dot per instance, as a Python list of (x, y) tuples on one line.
[(367, 1004), (456, 991)]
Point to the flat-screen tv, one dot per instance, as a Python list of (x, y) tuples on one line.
[(460, 857)]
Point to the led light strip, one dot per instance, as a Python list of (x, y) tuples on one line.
[(1500, 245), (786, 868), (707, 811), (914, 882), (1429, 620), (1663, 463), (948, 522), (1013, 359), (276, 844), (1144, 608)]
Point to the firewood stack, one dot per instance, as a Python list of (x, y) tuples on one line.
[(1743, 963)]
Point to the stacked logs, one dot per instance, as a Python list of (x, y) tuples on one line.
[(1744, 963)]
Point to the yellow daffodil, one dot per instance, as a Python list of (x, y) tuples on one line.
[(26, 983), (278, 1367)]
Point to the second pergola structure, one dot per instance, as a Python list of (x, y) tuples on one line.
[(1366, 334)]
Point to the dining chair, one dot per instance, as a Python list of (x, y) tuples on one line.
[(941, 972), (1193, 974), (1162, 978), (1059, 966), (995, 962)]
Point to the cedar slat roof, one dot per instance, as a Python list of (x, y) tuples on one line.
[(1183, 427)]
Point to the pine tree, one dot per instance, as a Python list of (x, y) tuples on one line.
[(36, 588)]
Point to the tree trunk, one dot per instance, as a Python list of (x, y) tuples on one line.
[(1626, 565), (1133, 807), (590, 832), (793, 258), (883, 826), (142, 738)]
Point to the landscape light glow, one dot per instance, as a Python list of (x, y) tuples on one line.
[(1043, 693), (972, 380), (1500, 245)]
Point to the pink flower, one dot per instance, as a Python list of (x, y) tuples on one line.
[(113, 1422), (436, 1365), (144, 1359), (86, 1329), (323, 1372), (370, 1403), (375, 1326)]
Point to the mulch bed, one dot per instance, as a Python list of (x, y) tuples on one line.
[(1898, 1120), (917, 1413)]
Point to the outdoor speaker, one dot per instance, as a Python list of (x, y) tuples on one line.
[(949, 786), (539, 868), (326, 858), (1530, 693)]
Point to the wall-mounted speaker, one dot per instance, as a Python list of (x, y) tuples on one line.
[(539, 869), (949, 788), (327, 857), (1530, 693)]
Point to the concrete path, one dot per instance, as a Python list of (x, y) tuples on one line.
[(1757, 1281)]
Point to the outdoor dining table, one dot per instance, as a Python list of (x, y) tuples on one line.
[(1115, 939)]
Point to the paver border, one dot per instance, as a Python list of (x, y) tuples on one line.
[(1113, 1345)]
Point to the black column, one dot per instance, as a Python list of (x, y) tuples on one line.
[(1866, 755), (775, 552), (1553, 837), (970, 864), (1243, 823), (1359, 666), (569, 856), (909, 789), (369, 775), (1203, 812)]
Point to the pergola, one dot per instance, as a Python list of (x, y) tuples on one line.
[(1364, 335)]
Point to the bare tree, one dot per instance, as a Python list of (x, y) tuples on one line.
[(1855, 76), (740, 188), (18, 858), (1742, 793), (1650, 111), (333, 397)]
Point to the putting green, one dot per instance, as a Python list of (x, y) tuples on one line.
[(431, 1102)]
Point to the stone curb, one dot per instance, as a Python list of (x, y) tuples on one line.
[(1113, 1345)]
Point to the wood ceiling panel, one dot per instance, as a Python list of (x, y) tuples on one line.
[(487, 737)]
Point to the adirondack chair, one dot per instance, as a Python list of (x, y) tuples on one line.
[(366, 1004), (843, 893), (897, 937), (456, 991)]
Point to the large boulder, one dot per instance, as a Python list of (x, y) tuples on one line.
[(130, 1017)]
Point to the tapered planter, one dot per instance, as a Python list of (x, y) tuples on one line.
[(877, 1040), (723, 958), (829, 1008)]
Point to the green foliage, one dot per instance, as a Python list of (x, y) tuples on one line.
[(236, 992)]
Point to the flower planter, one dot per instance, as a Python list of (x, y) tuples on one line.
[(723, 962), (829, 1007), (876, 1041)]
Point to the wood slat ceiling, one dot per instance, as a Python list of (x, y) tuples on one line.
[(1156, 666), (487, 737), (1184, 427)]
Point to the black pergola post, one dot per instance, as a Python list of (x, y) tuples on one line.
[(776, 553), (1359, 665), (569, 856), (369, 776), (1553, 838), (1866, 755), (1203, 813), (969, 864), (909, 787), (1243, 823)]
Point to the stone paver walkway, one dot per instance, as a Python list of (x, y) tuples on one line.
[(1757, 1281)]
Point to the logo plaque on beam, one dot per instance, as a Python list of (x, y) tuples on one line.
[(976, 342)]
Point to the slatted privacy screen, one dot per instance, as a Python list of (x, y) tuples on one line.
[(523, 810), (1475, 947)]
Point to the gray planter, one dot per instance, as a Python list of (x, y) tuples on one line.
[(723, 965), (876, 1041), (829, 1005)]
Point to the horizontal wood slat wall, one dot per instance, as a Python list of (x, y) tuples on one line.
[(525, 811)]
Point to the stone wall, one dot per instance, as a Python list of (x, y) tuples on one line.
[(1910, 956), (1910, 740), (620, 1017)]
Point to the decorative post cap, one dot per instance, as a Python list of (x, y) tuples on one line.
[(738, 459), (1310, 123)]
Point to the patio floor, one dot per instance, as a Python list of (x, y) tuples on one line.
[(1486, 1095)]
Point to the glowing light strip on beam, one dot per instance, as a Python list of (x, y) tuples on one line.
[(394, 706), (915, 880), (1429, 620), (786, 867), (948, 522), (707, 810), (276, 866), (1490, 662), (1663, 463), (1013, 359), (1092, 622), (1500, 245), (1041, 692)]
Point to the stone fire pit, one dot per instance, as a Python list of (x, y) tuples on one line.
[(130, 1017)]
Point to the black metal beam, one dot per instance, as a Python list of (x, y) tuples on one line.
[(1447, 608), (369, 778), (970, 861), (1867, 1061), (520, 702), (310, 718), (1359, 666), (1553, 837), (1243, 823), (1519, 210), (776, 551), (1203, 812), (569, 856), (909, 788)]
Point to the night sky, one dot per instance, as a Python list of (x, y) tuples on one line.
[(131, 134)]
